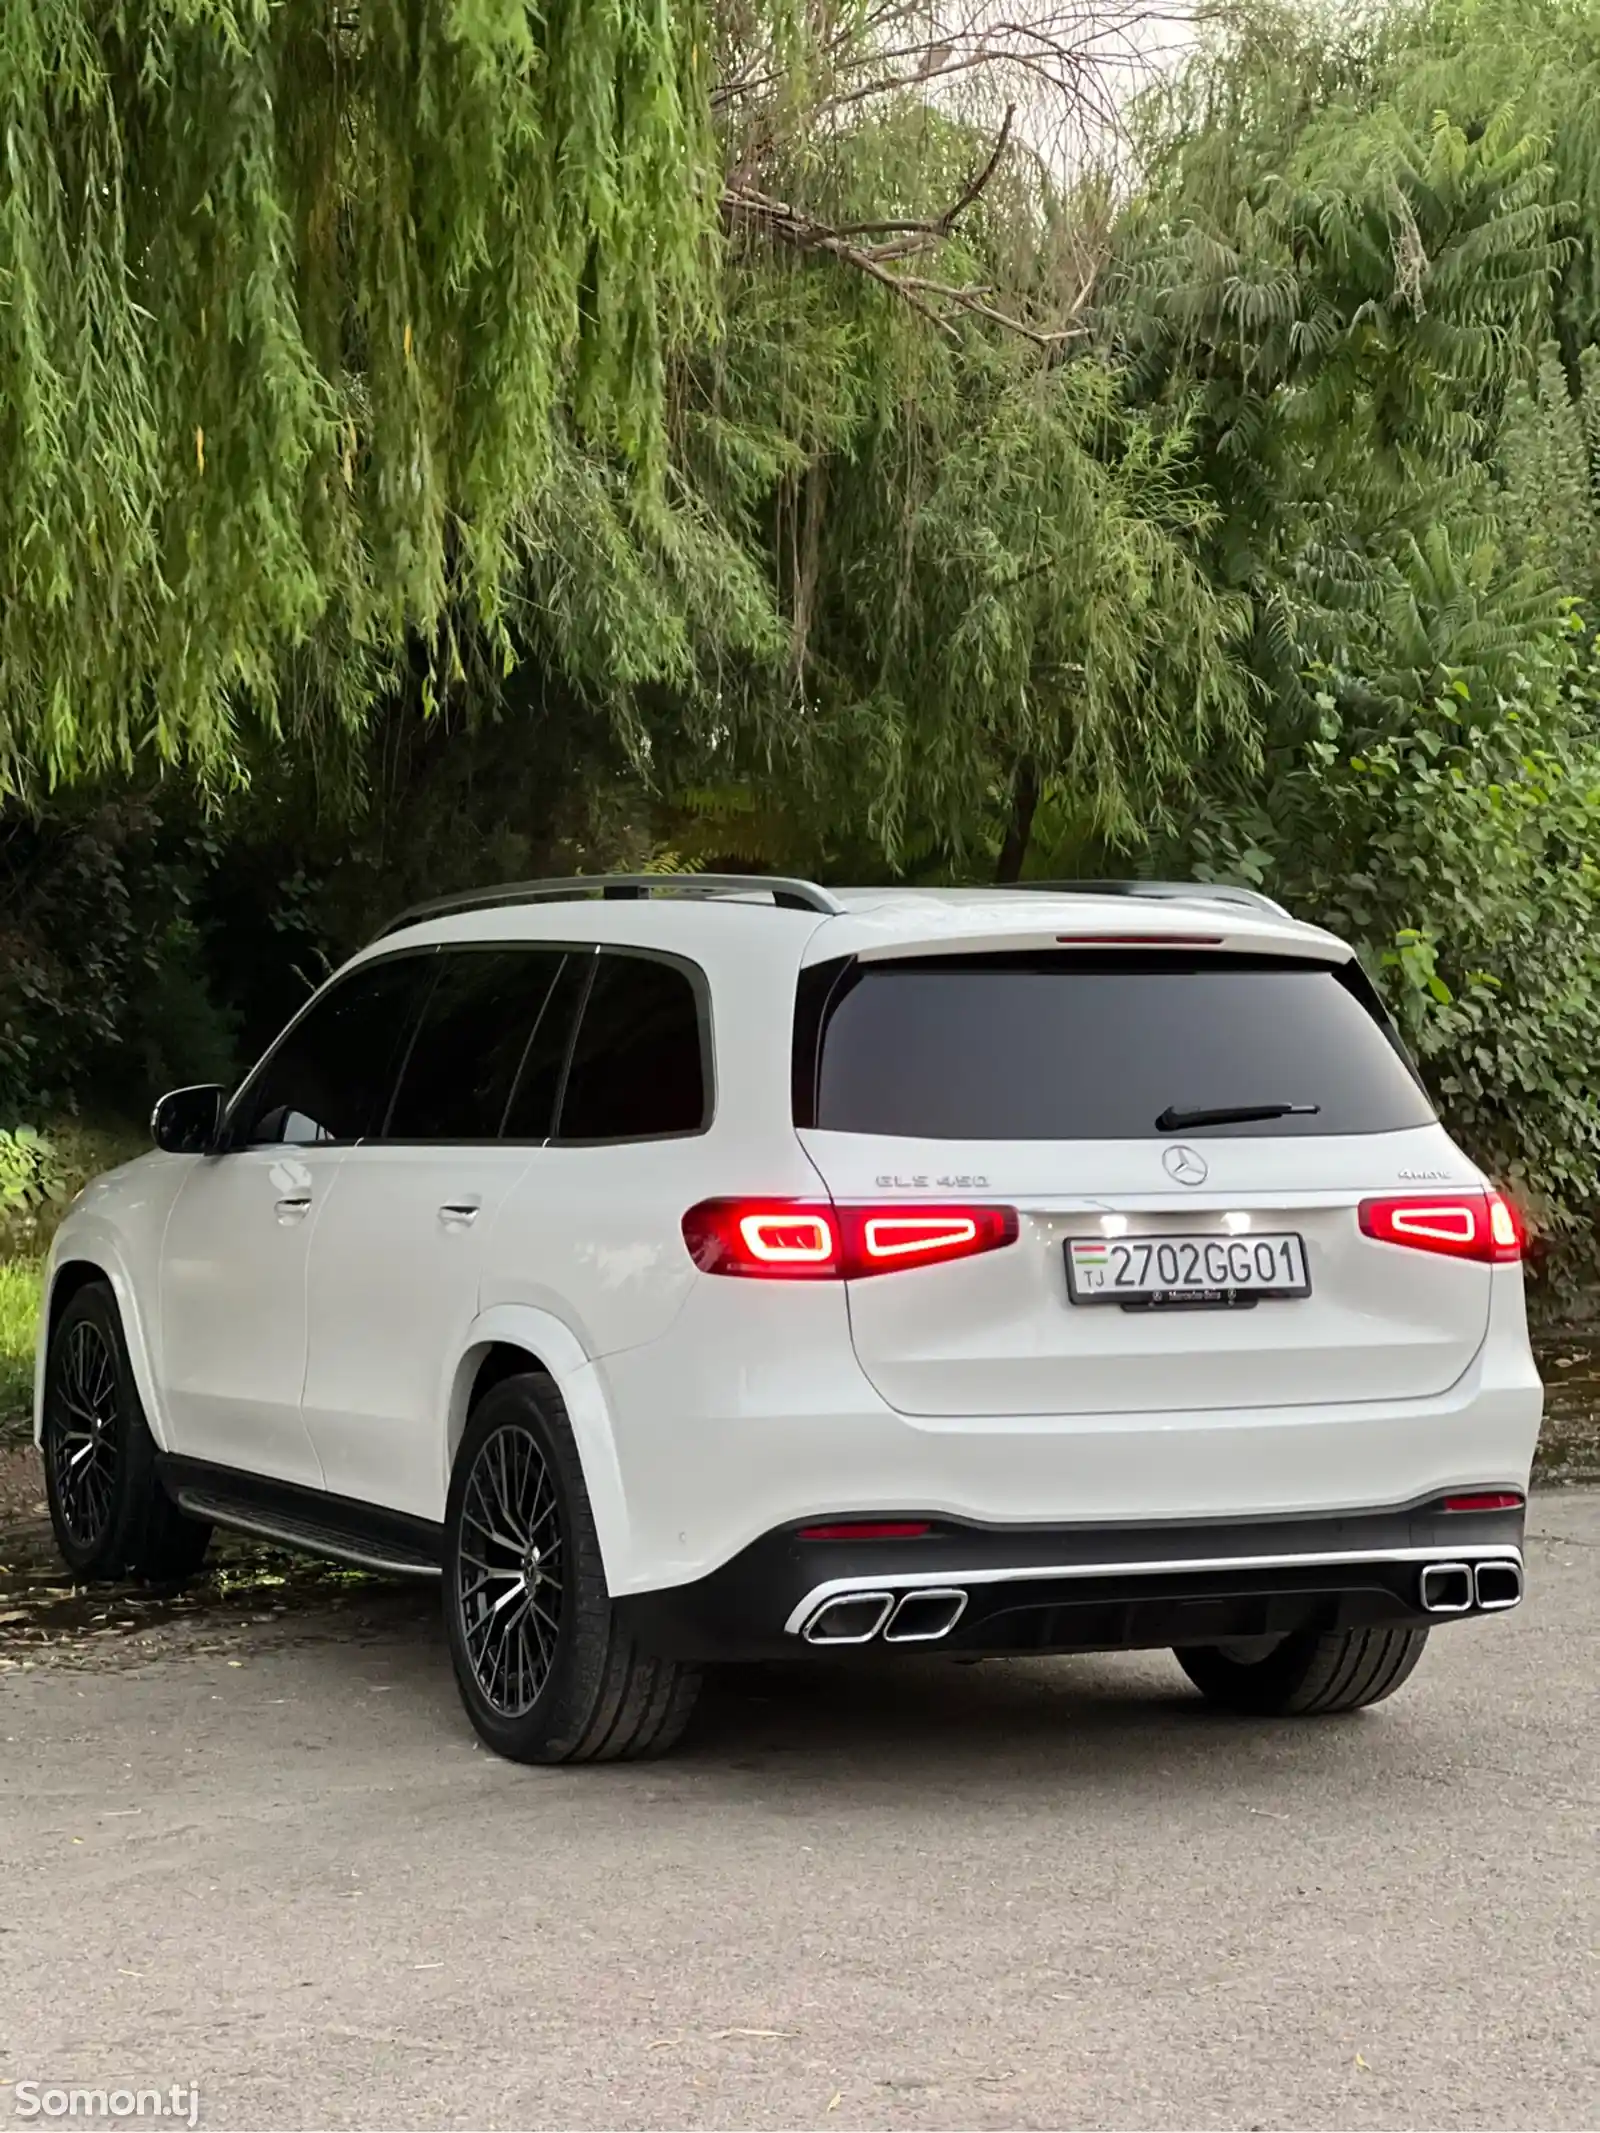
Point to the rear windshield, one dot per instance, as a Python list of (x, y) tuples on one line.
[(1096, 1047)]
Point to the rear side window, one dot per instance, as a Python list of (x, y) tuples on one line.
[(531, 1115), (1098, 1047), (639, 1063), (332, 1075), (469, 1046)]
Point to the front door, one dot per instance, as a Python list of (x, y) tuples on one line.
[(237, 1247)]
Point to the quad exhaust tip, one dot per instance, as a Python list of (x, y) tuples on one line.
[(850, 1618), (920, 1617), (1497, 1586), (925, 1617), (1446, 1588)]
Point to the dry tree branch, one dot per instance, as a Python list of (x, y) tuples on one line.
[(1063, 70), (902, 240)]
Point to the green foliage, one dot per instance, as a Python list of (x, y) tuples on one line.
[(30, 1172), (291, 301), (103, 987), (21, 1294), (1461, 859)]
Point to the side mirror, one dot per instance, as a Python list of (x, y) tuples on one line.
[(186, 1121)]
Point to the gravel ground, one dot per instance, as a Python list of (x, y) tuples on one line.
[(249, 1841)]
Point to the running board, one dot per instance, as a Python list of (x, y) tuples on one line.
[(309, 1521)]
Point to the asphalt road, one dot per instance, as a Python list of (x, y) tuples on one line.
[(1053, 1893)]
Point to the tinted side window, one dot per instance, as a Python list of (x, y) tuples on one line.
[(331, 1077), (638, 1065), (531, 1114), (475, 1028), (1098, 1047)]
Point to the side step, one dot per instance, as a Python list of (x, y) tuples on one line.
[(309, 1538), (310, 1520)]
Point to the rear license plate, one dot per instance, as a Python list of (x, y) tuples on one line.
[(1155, 1271)]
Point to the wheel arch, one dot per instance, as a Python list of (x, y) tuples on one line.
[(511, 1338), (86, 1259)]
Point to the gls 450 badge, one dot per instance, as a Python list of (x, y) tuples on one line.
[(949, 1183)]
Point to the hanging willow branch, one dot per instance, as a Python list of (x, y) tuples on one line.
[(290, 304)]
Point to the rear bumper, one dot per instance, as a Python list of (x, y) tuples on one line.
[(975, 1589), (723, 1438)]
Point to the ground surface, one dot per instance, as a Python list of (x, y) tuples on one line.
[(250, 1842)]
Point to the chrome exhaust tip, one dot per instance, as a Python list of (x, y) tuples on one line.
[(849, 1618), (1446, 1588), (924, 1617), (1498, 1586)]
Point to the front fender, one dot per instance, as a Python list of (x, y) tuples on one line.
[(557, 1348), (87, 1239)]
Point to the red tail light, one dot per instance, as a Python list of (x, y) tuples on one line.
[(1487, 1500), (858, 1529), (817, 1241), (1462, 1225)]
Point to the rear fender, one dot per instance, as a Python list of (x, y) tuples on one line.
[(551, 1344)]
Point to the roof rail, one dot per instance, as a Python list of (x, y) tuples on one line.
[(1193, 892), (786, 892)]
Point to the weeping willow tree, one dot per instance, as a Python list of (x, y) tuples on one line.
[(291, 298)]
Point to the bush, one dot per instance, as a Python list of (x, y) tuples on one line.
[(1460, 860), (104, 997)]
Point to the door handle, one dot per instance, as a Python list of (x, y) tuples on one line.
[(456, 1214), (292, 1206)]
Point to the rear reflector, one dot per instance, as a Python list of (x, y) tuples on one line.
[(1461, 1225), (1489, 1500), (865, 1530), (816, 1241)]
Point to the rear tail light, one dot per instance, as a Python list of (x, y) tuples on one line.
[(818, 1241), (1486, 1500), (1461, 1225)]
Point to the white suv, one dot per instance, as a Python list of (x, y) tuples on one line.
[(696, 1268)]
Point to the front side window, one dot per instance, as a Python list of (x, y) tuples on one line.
[(471, 1042), (331, 1076), (639, 1063)]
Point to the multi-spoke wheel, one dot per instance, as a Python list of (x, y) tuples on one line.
[(508, 1570), (546, 1670), (82, 1432), (111, 1515)]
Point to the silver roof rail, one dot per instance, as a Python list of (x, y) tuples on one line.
[(788, 893), (1192, 892)]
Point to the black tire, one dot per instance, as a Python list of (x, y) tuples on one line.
[(112, 1518), (559, 1680), (1308, 1674)]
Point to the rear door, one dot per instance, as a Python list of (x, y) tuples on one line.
[(1037, 1080), (398, 1255)]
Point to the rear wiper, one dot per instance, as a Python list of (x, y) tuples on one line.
[(1175, 1121)]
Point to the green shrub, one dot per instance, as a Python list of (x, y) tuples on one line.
[(1461, 861), (31, 1173), (21, 1287)]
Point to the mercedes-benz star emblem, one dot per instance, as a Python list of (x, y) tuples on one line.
[(1185, 1166)]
